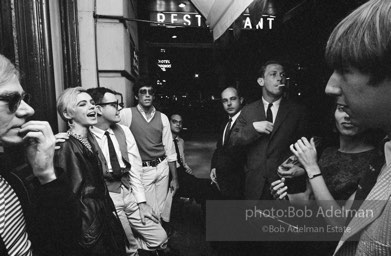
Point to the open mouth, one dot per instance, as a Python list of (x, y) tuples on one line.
[(92, 114)]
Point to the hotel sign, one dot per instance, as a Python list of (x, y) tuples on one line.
[(191, 19), (164, 64)]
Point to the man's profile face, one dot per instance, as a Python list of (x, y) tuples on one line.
[(368, 106), (110, 111), (176, 123), (10, 123), (274, 76), (232, 103), (145, 96)]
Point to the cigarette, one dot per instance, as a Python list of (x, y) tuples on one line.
[(281, 85)]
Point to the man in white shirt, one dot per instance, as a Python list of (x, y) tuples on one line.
[(265, 129), (122, 173), (151, 130)]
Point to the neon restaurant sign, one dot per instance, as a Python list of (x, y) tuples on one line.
[(192, 19)]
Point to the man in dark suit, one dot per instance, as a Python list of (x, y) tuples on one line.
[(266, 128), (227, 165)]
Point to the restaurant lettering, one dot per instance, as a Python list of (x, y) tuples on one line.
[(179, 19), (196, 20)]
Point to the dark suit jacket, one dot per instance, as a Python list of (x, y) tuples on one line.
[(229, 166), (49, 211), (266, 152)]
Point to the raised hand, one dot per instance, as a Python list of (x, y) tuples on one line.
[(40, 141), (263, 127), (60, 138), (305, 151)]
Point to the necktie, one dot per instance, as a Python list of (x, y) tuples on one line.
[(227, 131), (113, 156), (177, 153), (269, 114)]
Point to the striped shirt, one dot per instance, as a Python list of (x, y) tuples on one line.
[(12, 222)]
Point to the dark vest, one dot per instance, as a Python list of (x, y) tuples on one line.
[(114, 184), (148, 135)]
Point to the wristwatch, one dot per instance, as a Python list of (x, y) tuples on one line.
[(311, 176)]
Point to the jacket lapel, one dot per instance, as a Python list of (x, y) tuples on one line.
[(374, 203), (230, 131), (95, 145), (283, 111)]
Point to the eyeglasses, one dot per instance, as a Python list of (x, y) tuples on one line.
[(145, 91), (176, 121), (114, 104), (14, 99)]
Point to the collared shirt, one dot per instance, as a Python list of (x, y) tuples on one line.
[(169, 148), (133, 155), (387, 156), (145, 114), (232, 123), (181, 148), (387, 152), (274, 108)]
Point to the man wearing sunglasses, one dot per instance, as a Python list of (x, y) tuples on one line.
[(151, 130), (122, 165), (35, 203)]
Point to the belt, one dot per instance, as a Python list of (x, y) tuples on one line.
[(153, 162)]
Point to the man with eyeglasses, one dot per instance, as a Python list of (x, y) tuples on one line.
[(36, 205), (121, 163), (151, 130)]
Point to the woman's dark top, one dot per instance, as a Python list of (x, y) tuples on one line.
[(343, 171), (100, 230)]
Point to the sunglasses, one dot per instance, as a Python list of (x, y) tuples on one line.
[(14, 99), (114, 104), (145, 91)]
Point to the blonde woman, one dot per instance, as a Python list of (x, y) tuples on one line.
[(100, 230)]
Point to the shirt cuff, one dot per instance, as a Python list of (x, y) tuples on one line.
[(140, 198), (172, 158)]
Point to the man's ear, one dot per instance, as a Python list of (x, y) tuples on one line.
[(136, 97), (98, 109), (241, 100), (261, 81)]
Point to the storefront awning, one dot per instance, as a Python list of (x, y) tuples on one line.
[(220, 14)]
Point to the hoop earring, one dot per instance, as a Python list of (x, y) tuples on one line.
[(71, 124)]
